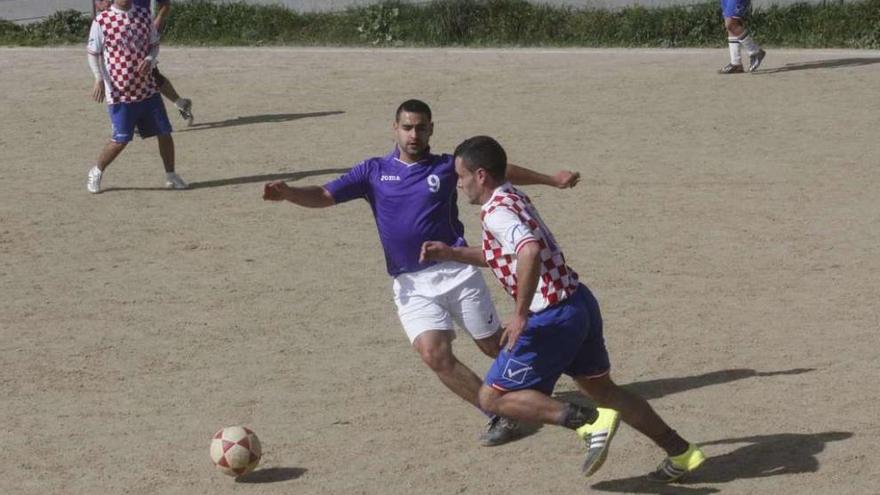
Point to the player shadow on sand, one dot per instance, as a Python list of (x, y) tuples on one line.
[(822, 64), (763, 456), (271, 475), (655, 389), (257, 119), (247, 179)]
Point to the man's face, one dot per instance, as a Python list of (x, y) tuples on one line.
[(101, 5), (123, 4), (413, 132), (469, 183)]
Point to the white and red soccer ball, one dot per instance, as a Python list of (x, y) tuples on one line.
[(235, 450)]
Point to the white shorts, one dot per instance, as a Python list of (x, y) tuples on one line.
[(446, 293)]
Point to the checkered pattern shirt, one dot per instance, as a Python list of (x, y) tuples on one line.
[(123, 39), (510, 221)]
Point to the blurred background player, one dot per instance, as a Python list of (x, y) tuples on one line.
[(556, 327), (122, 50), (412, 194), (734, 12), (162, 11)]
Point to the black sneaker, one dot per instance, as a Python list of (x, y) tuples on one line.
[(756, 59), (499, 431), (731, 69)]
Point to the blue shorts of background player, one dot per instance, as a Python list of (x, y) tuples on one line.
[(735, 8), (147, 116), (565, 338)]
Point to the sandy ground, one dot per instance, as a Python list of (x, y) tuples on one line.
[(728, 225)]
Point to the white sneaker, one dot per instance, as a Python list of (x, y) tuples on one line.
[(173, 181), (93, 183), (184, 106)]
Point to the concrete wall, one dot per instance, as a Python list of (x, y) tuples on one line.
[(30, 10)]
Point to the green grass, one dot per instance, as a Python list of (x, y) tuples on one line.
[(485, 23)]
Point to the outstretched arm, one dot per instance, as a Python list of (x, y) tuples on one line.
[(520, 176), (439, 251), (309, 196)]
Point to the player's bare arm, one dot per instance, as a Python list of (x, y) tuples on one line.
[(528, 269), (440, 251), (163, 10), (521, 176), (309, 196)]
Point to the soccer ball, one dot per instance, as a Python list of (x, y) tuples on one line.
[(235, 450)]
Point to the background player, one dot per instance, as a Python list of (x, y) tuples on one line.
[(122, 50), (163, 10), (413, 197), (556, 326), (734, 12)]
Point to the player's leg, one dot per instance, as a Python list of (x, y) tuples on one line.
[(122, 123), (184, 105), (153, 121), (470, 304), (435, 349), (591, 372), (521, 379), (734, 11)]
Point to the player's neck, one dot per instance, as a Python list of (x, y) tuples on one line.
[(410, 159)]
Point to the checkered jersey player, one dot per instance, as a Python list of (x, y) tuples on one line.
[(734, 13), (412, 194), (556, 327), (163, 10), (122, 50)]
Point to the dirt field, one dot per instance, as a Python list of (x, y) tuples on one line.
[(728, 225)]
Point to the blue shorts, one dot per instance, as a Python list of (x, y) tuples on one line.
[(734, 8), (565, 338), (148, 116)]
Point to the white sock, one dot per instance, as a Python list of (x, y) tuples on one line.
[(179, 103), (733, 46), (96, 170), (749, 44)]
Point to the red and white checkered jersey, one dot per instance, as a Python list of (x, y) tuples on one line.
[(510, 221), (123, 39)]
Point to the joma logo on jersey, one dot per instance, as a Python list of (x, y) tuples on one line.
[(385, 178)]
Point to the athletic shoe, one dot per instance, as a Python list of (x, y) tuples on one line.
[(173, 181), (185, 109), (499, 431), (93, 183), (598, 437), (673, 468), (731, 69), (756, 59)]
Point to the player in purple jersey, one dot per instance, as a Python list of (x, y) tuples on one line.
[(556, 327), (413, 197), (734, 13)]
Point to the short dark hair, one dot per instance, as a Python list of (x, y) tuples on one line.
[(413, 106), (483, 152)]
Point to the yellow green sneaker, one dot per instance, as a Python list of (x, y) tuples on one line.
[(673, 468), (598, 437)]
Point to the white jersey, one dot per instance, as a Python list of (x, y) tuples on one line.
[(510, 221)]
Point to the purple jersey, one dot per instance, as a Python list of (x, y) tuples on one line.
[(411, 204)]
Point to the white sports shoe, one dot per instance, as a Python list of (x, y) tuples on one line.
[(173, 181), (93, 183)]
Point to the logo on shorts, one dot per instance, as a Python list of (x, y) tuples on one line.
[(516, 371)]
